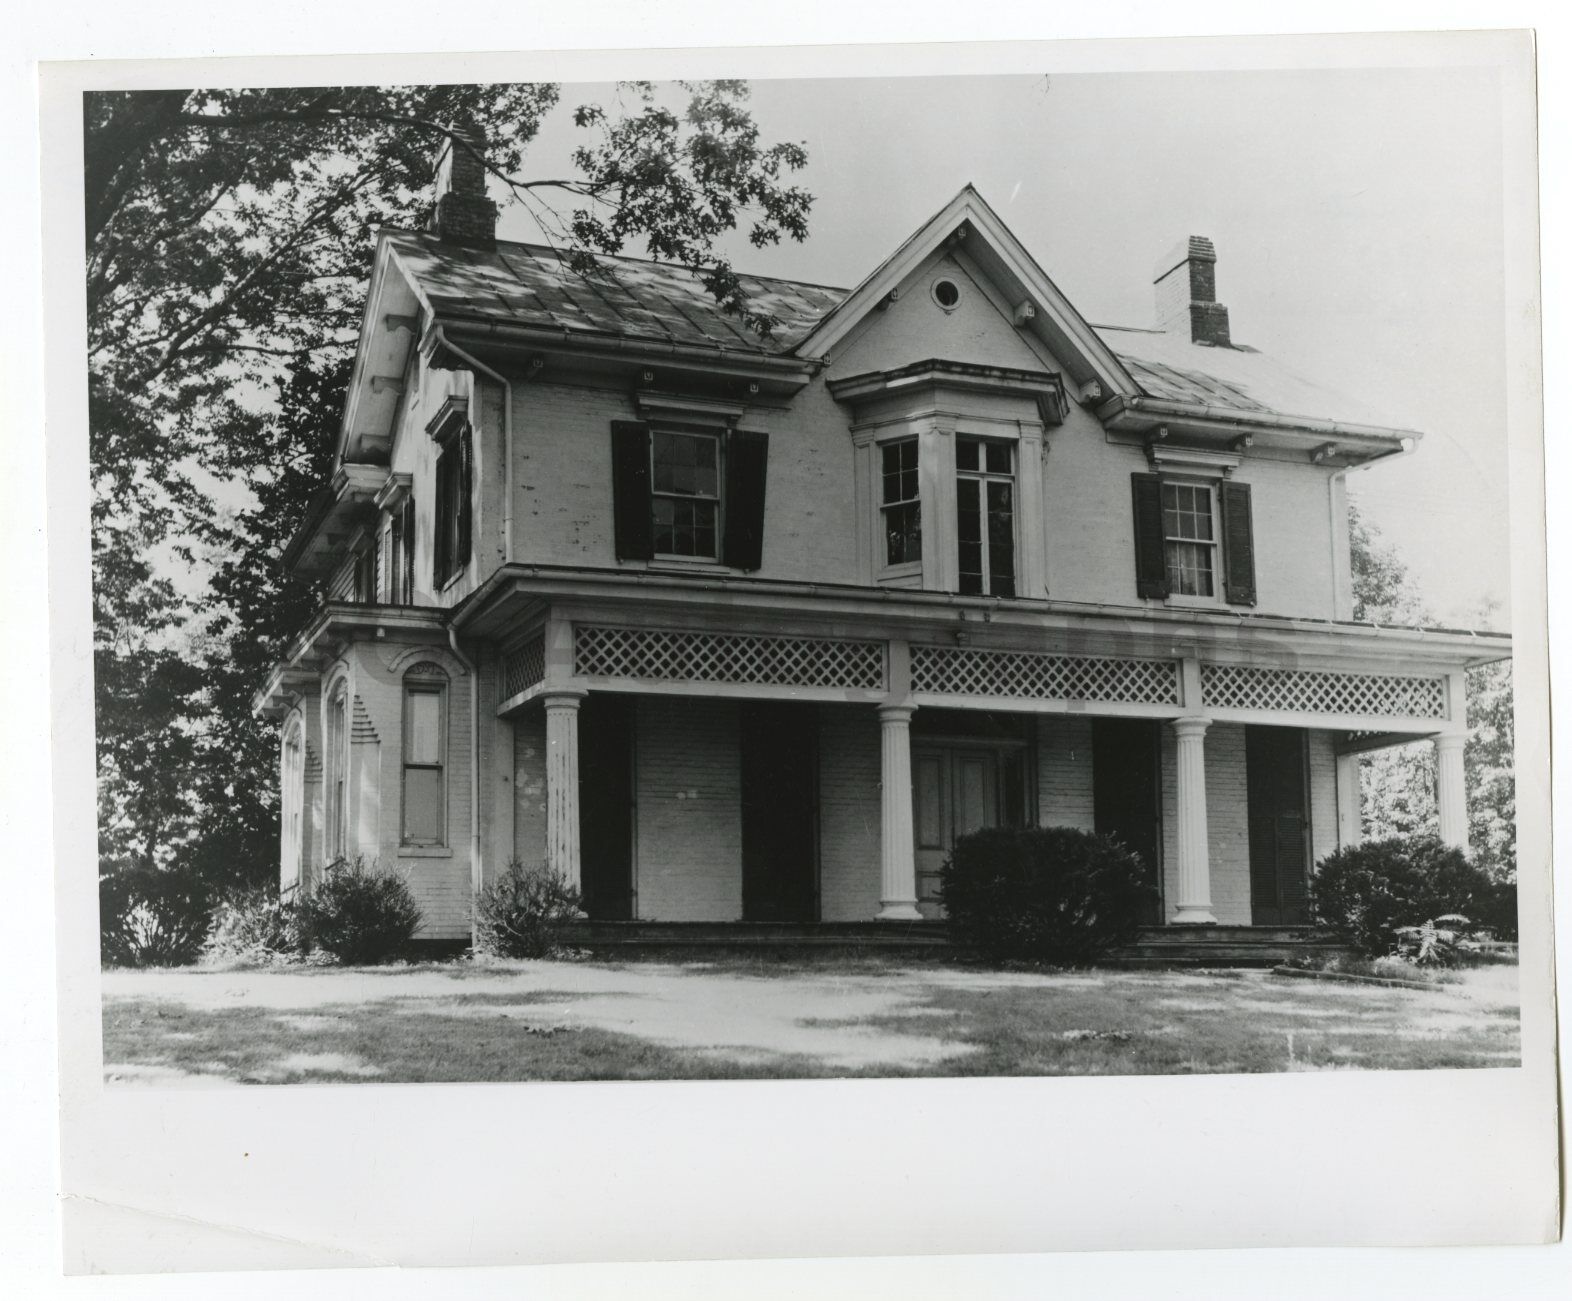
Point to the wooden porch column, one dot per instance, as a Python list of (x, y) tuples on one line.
[(1451, 789), (897, 848), (1195, 876), (562, 782), (1350, 813)]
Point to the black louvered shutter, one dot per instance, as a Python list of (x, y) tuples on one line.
[(630, 489), (466, 500), (442, 503), (1238, 545), (1151, 563), (747, 466)]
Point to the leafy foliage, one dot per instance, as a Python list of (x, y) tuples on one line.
[(521, 914), (1056, 895), (254, 927), (1366, 893), (152, 917), (359, 913), (228, 245)]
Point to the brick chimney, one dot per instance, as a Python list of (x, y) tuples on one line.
[(463, 215), (1186, 283)]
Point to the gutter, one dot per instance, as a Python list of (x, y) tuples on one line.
[(1160, 408)]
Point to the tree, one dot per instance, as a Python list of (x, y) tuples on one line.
[(1398, 784), (227, 246)]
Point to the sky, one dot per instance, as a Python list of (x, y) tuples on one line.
[(1356, 215)]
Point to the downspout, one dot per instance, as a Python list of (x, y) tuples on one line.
[(476, 876)]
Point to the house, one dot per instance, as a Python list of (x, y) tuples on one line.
[(727, 627)]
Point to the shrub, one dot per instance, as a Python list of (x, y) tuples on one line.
[(1046, 894), (255, 927), (521, 914), (1366, 893), (359, 913), (152, 916)]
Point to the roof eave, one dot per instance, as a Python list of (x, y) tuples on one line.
[(1342, 439)]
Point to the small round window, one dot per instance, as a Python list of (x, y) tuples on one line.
[(947, 294)]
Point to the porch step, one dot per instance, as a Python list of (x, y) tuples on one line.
[(1225, 946)]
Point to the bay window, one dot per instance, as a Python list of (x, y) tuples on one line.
[(985, 516)]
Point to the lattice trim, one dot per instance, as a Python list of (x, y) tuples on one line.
[(946, 670), (727, 657), (524, 667), (1238, 686)]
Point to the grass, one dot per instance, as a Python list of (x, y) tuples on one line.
[(757, 1017)]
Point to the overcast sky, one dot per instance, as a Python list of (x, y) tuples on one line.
[(1356, 214)]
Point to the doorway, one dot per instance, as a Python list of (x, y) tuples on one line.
[(606, 795), (1277, 791), (780, 833), (1126, 802)]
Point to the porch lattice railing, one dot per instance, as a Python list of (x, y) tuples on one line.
[(1238, 686), (523, 667), (958, 671), (739, 658)]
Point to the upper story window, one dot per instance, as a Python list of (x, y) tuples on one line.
[(985, 516), (365, 575), (685, 493), (450, 552), (901, 507), (401, 553), (1189, 539)]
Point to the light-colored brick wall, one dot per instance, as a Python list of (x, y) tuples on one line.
[(849, 795), (689, 841), (1064, 773), (1227, 823)]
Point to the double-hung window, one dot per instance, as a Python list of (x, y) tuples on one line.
[(338, 774), (685, 493), (900, 504), (1189, 539), (985, 515), (454, 491), (425, 761)]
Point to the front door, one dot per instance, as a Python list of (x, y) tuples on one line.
[(780, 745), (1125, 795), (955, 790), (606, 806), (1277, 794)]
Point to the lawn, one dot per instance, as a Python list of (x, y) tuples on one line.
[(740, 1018)]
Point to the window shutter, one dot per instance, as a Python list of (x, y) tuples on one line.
[(747, 464), (440, 523), (1151, 562), (630, 489), (1238, 544), (466, 501)]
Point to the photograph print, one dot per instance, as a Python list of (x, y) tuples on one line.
[(926, 576)]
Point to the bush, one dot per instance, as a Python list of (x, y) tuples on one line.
[(1367, 893), (1045, 894), (255, 927), (152, 916), (521, 914), (359, 914)]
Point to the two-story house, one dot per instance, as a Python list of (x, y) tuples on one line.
[(729, 628)]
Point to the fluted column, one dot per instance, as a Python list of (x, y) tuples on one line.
[(1195, 875), (897, 848), (1451, 789), (562, 783), (1350, 812)]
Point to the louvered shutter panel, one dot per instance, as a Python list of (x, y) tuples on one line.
[(440, 522), (466, 502), (747, 466), (630, 489), (1238, 544), (1151, 563)]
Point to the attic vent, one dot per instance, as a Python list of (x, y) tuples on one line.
[(947, 294)]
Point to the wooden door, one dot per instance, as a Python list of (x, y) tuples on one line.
[(955, 791), (606, 795), (1125, 794), (1277, 791), (780, 837)]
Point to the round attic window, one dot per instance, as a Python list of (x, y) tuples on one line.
[(947, 294)]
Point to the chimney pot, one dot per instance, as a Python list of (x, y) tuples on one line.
[(462, 214), (1186, 282)]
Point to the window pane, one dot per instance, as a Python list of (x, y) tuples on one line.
[(998, 458), (423, 727), (1001, 539), (903, 533), (966, 454), (423, 805), (687, 464)]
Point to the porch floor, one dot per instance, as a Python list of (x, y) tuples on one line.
[(1157, 946)]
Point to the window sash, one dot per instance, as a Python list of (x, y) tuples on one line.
[(338, 759), (985, 516), (1190, 539), (424, 786), (900, 503), (685, 493)]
